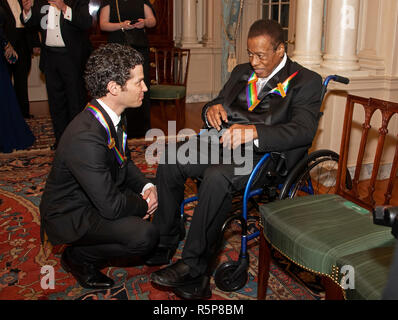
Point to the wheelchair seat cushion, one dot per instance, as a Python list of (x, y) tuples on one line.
[(316, 231), (167, 92), (370, 272)]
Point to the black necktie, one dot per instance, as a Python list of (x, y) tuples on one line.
[(119, 133)]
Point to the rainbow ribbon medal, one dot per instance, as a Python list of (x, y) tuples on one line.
[(251, 92), (121, 158), (282, 88)]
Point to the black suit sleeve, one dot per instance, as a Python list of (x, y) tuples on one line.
[(87, 159), (81, 18), (136, 180), (304, 104), (220, 99), (34, 20)]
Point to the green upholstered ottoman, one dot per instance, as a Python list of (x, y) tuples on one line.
[(371, 270), (317, 232), (167, 92)]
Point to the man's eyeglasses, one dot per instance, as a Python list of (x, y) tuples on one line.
[(261, 56)]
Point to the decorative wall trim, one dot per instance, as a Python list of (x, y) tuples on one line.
[(206, 97)]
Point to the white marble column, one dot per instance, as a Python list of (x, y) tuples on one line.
[(177, 22), (308, 40), (341, 35), (208, 23), (189, 25)]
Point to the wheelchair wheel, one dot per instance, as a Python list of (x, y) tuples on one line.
[(314, 175), (226, 279)]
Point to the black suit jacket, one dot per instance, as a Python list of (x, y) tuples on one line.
[(283, 124), (86, 182), (31, 36), (74, 33)]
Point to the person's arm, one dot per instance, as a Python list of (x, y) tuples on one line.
[(78, 15), (87, 159), (29, 16), (34, 41), (148, 22), (213, 112), (105, 25)]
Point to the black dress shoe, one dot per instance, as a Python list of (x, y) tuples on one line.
[(175, 275), (85, 273), (161, 256), (196, 291)]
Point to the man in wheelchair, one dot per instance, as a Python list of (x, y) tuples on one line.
[(274, 99)]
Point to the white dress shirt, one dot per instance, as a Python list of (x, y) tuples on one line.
[(54, 36), (261, 82)]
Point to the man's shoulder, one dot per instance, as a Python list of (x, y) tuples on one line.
[(241, 68), (304, 72), (83, 122)]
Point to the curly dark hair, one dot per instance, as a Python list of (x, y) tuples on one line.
[(269, 28), (111, 62)]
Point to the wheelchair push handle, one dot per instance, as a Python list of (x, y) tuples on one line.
[(341, 79), (336, 78)]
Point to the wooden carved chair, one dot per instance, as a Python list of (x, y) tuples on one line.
[(333, 235), (172, 65)]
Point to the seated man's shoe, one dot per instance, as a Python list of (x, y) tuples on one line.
[(195, 291), (85, 273), (175, 275), (160, 256)]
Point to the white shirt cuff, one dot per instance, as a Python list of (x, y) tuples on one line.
[(147, 186), (68, 13), (27, 16), (255, 141)]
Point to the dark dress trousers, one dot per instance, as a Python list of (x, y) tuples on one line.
[(64, 66), (285, 125), (23, 41), (90, 201)]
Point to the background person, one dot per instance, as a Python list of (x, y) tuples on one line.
[(135, 16), (65, 48), (25, 42), (14, 132)]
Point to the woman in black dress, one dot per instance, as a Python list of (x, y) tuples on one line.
[(14, 132), (133, 17)]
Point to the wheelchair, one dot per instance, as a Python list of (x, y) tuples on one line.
[(314, 174)]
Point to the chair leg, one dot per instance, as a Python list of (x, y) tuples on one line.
[(180, 110), (264, 261), (332, 290), (163, 110)]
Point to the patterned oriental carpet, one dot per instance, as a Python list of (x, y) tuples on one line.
[(22, 179)]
